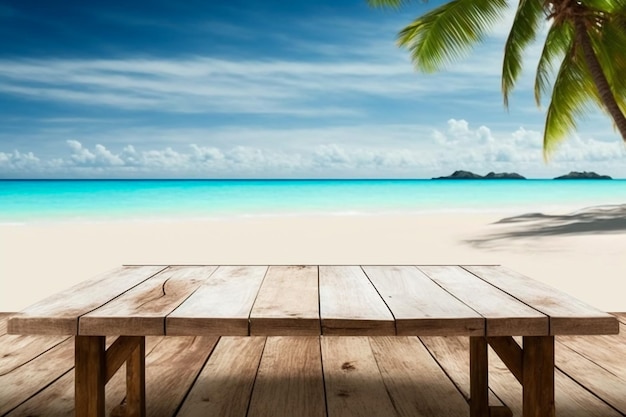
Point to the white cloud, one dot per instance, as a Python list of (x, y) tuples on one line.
[(101, 156), (18, 161), (331, 155), (459, 133), (483, 150), (349, 151), (527, 138), (589, 150)]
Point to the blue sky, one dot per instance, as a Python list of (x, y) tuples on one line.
[(249, 89)]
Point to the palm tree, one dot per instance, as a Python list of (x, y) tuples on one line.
[(587, 37)]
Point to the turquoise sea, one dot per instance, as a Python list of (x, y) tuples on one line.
[(99, 200)]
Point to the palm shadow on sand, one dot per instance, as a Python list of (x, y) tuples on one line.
[(598, 220)]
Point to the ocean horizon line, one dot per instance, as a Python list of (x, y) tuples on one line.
[(302, 179)]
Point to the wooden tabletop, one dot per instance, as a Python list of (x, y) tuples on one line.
[(312, 300)]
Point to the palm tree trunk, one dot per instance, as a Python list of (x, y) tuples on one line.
[(599, 79)]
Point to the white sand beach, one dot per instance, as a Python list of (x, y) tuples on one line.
[(582, 253)]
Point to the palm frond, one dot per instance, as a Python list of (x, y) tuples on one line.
[(394, 4), (526, 24), (448, 32), (608, 6), (572, 96), (608, 44), (558, 42)]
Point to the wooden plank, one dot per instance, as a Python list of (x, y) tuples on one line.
[(142, 310), (90, 373), (57, 399), (224, 385), (173, 367), (289, 381), (354, 385), (350, 305), (505, 316), (479, 377), (420, 306), (568, 315), (287, 303), (59, 313), (538, 376), (35, 375), (16, 350), (607, 351), (416, 384), (605, 379), (221, 306)]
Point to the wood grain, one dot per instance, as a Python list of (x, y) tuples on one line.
[(142, 310), (350, 305), (136, 381), (538, 376), (510, 353), (23, 382), (119, 352), (117, 389), (57, 399), (90, 374), (221, 306), (171, 369), (604, 378), (452, 354), (416, 384), (354, 385), (607, 350), (601, 375), (505, 316), (287, 303), (59, 313), (3, 322), (224, 386), (289, 382), (17, 350), (571, 399), (568, 315), (479, 377), (422, 307)]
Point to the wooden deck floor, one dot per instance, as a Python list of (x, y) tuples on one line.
[(310, 376)]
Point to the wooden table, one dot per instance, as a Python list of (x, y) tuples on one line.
[(490, 304)]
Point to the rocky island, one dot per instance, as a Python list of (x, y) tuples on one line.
[(574, 175), (467, 175)]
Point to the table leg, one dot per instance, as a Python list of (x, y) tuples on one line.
[(90, 375), (479, 377), (538, 376), (136, 381)]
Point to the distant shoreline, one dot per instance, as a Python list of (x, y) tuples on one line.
[(468, 175)]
